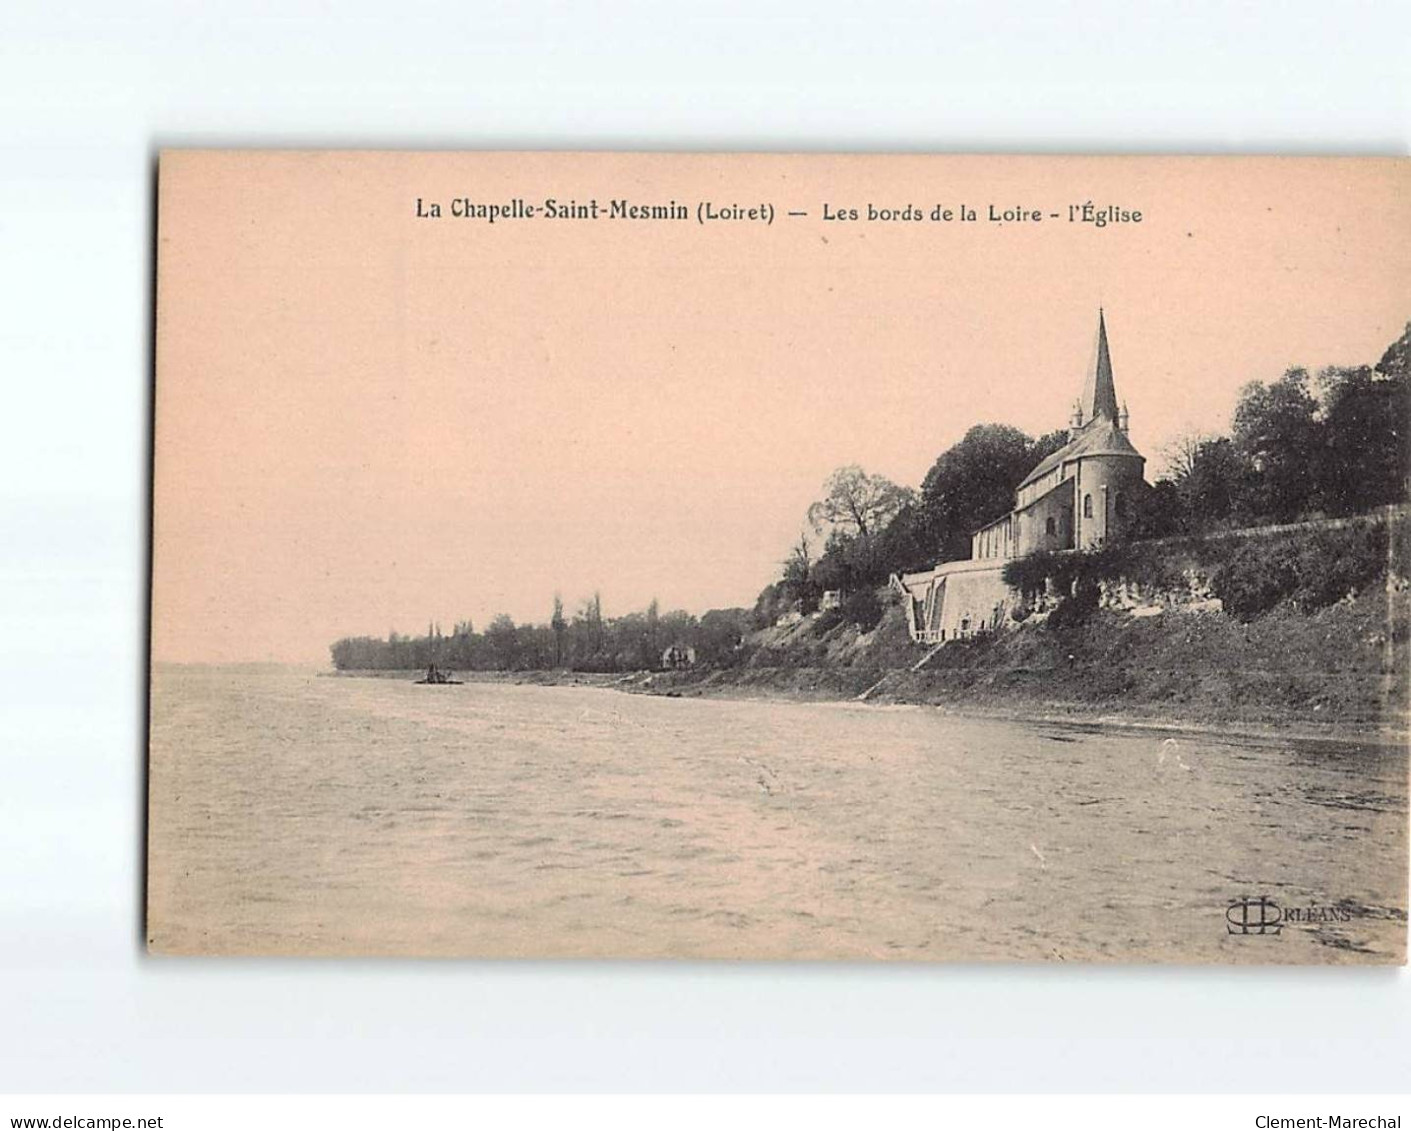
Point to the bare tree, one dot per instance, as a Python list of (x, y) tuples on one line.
[(799, 563), (1183, 454), (858, 503)]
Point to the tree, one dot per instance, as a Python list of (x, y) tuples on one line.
[(590, 623), (1365, 414), (798, 584), (1159, 512), (559, 624), (1181, 454), (973, 483), (858, 503), (719, 634), (844, 563), (653, 635), (864, 609), (502, 638), (1214, 482), (1046, 445), (1396, 362), (772, 603), (1275, 429), (903, 545)]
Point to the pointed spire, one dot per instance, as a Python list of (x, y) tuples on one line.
[(1100, 394)]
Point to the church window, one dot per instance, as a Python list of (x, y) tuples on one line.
[(1049, 527), (1119, 505), (1087, 506)]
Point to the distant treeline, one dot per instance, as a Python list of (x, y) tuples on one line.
[(1303, 446), (585, 641)]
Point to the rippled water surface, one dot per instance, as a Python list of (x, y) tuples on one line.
[(293, 813)]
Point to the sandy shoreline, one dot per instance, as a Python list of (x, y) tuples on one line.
[(1081, 715)]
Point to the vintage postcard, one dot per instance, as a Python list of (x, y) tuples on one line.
[(781, 557)]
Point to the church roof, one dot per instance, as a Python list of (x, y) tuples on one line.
[(1061, 485), (1101, 437), (1099, 392)]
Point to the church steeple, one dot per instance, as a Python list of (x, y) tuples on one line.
[(1100, 394)]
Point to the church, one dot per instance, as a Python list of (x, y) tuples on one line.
[(1078, 498)]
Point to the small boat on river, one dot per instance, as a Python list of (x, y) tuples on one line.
[(435, 675)]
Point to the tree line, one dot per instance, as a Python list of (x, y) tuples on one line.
[(585, 641), (1301, 446), (1330, 444)]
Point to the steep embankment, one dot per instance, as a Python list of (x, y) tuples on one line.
[(1340, 668)]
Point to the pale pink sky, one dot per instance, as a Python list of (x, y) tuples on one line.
[(369, 421)]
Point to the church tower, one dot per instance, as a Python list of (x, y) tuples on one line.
[(1107, 470), (1082, 495)]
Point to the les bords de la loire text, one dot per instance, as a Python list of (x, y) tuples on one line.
[(1094, 213)]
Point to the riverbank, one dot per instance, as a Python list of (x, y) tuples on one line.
[(1338, 672), (824, 687), (817, 686), (558, 677)]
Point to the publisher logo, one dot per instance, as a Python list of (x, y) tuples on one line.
[(1260, 916)]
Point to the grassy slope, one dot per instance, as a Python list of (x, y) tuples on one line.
[(1344, 666)]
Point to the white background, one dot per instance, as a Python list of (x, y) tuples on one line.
[(89, 91)]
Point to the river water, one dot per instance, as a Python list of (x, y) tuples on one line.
[(294, 813)]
